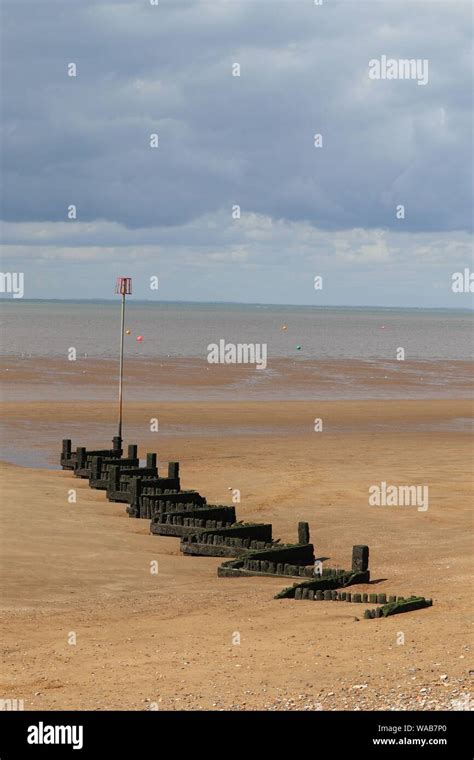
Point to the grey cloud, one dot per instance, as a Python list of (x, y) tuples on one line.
[(226, 140)]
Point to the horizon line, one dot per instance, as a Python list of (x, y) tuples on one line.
[(246, 303)]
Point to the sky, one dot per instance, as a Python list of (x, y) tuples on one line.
[(236, 202)]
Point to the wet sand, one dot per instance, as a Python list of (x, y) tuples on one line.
[(171, 379)]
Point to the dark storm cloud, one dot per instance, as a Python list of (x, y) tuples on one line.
[(244, 140)]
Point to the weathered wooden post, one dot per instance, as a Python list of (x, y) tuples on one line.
[(360, 558), (114, 478), (150, 460), (96, 468), (80, 457), (173, 469), (135, 493), (303, 533)]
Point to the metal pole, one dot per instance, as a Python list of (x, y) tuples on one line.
[(122, 323)]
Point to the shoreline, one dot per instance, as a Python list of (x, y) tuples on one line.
[(32, 431)]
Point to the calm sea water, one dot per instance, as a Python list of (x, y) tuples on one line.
[(184, 330)]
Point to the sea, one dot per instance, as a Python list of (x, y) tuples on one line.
[(185, 330)]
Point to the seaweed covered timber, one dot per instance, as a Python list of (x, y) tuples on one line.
[(212, 530)]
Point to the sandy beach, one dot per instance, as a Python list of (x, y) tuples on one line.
[(165, 641)]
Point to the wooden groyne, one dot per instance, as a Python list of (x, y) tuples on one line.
[(127, 485), (69, 458), (213, 530)]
